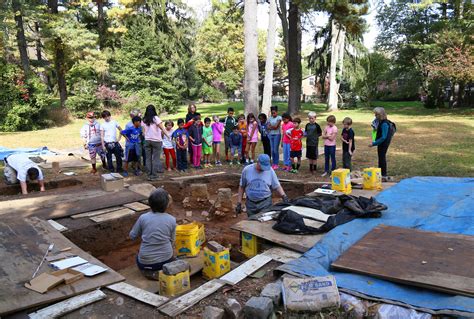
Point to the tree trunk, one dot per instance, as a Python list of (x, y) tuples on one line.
[(101, 24), (269, 62), (333, 85), (294, 59), (20, 36), (282, 12), (59, 63), (250, 57), (39, 56), (341, 39)]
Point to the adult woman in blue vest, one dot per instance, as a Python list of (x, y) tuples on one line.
[(383, 139)]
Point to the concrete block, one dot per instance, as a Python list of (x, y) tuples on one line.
[(189, 213), (211, 312), (233, 308), (272, 291), (258, 308), (175, 267), (215, 246)]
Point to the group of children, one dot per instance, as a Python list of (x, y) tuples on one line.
[(201, 140)]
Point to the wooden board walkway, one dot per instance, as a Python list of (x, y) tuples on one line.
[(437, 261)]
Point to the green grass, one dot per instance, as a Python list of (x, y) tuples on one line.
[(427, 142)]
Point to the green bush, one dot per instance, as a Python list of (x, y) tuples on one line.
[(211, 94), (141, 99), (82, 98)]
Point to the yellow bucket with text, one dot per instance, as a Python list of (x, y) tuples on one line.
[(173, 285), (372, 178), (216, 264), (341, 180), (187, 240)]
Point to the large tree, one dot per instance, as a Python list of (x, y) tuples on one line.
[(250, 57), (20, 36)]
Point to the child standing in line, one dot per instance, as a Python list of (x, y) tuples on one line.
[(262, 128), (90, 134), (133, 146), (195, 136), (252, 126), (348, 143), (110, 142), (168, 147), (285, 126), (207, 142), (329, 137), (244, 132), (235, 140), (181, 141), (229, 123), (313, 132), (296, 145), (217, 130), (274, 134)]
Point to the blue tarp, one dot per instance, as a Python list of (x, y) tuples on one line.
[(4, 151), (428, 203)]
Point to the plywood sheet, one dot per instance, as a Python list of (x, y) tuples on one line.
[(438, 261), (23, 244), (137, 206), (113, 215), (300, 243)]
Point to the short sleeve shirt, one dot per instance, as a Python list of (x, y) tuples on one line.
[(273, 121), (348, 134), (295, 143), (258, 185), (313, 132), (285, 127), (330, 130), (110, 131), (21, 164)]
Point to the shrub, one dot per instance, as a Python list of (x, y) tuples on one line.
[(211, 94), (82, 98), (108, 96), (140, 100)]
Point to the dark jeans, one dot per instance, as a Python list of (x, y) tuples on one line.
[(382, 153), (152, 271), (116, 150), (266, 146), (329, 153), (254, 207), (182, 161), (346, 160)]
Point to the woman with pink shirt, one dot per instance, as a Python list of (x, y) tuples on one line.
[(329, 137), (217, 130), (153, 127), (252, 139)]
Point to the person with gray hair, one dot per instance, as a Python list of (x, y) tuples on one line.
[(157, 230), (385, 131)]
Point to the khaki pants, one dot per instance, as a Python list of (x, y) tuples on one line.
[(9, 174)]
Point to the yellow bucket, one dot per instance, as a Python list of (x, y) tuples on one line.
[(372, 178), (201, 234), (341, 180), (249, 244), (187, 240), (173, 285), (216, 264)]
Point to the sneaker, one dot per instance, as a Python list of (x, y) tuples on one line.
[(219, 163), (274, 167), (294, 171), (324, 174), (231, 163), (94, 171), (287, 168), (124, 173)]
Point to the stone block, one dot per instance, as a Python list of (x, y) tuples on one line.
[(215, 246), (258, 308), (199, 191), (272, 291), (211, 312), (233, 308), (175, 267)]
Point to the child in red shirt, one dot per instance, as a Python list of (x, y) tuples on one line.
[(295, 135)]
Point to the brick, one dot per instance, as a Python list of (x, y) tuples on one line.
[(272, 291), (258, 308), (215, 246)]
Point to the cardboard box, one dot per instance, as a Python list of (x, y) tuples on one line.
[(43, 283), (112, 182), (69, 275)]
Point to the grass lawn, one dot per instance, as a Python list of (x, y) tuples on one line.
[(427, 142)]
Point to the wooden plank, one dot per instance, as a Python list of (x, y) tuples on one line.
[(300, 243), (137, 206), (113, 215), (309, 212), (136, 278), (189, 177), (438, 261), (68, 203), (24, 242), (96, 212), (181, 304), (69, 305), (138, 294), (282, 255), (250, 266), (57, 226)]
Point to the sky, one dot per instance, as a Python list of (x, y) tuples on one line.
[(202, 7)]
